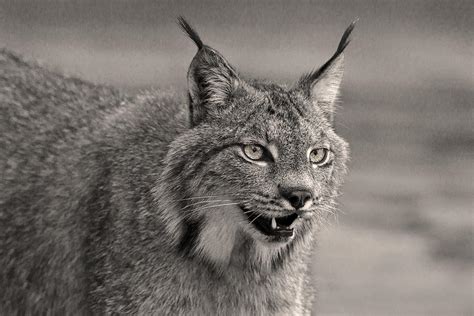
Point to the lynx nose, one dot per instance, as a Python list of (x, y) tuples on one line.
[(297, 198)]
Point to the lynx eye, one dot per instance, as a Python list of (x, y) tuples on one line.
[(319, 156), (254, 152)]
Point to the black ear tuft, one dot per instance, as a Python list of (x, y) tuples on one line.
[(322, 85), (190, 31), (346, 37), (309, 78)]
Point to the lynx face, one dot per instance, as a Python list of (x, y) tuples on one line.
[(264, 161), (279, 161)]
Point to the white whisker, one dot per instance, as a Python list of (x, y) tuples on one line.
[(219, 205), (191, 212), (203, 202), (205, 197), (253, 220)]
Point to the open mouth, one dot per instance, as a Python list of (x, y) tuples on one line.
[(272, 226)]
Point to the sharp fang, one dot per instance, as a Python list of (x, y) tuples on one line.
[(274, 223)]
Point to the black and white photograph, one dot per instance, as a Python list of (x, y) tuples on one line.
[(239, 157)]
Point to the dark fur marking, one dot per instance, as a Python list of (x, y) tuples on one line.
[(190, 237), (191, 111), (295, 106)]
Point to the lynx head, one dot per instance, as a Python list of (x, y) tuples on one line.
[(260, 164)]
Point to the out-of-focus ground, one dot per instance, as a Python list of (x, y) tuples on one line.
[(403, 244)]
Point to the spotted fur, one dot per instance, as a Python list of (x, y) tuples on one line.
[(116, 204)]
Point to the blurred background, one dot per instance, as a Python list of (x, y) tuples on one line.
[(403, 242)]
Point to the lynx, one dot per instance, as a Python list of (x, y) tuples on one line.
[(150, 204)]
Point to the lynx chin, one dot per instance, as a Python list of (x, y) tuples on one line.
[(154, 205)]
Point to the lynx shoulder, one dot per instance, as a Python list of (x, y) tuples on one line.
[(158, 204)]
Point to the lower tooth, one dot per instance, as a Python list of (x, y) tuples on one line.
[(274, 223)]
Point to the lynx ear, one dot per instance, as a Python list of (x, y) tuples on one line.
[(322, 85), (211, 79)]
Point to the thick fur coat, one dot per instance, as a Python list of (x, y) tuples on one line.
[(116, 204)]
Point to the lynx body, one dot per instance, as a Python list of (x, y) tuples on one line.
[(142, 205)]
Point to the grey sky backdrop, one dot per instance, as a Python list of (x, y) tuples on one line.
[(404, 243)]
